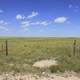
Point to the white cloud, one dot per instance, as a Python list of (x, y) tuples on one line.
[(74, 8), (33, 15), (20, 17), (1, 11), (3, 25), (2, 22), (70, 6), (25, 24), (45, 23), (60, 20), (35, 23)]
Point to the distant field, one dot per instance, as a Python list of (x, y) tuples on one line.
[(24, 52)]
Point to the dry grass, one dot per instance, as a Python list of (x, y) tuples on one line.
[(24, 52)]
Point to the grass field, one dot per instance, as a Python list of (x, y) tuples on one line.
[(24, 52)]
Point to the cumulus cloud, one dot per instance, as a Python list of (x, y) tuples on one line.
[(33, 15), (20, 17), (60, 20), (26, 21)]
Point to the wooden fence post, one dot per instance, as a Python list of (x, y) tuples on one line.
[(6, 48), (74, 47), (2, 48)]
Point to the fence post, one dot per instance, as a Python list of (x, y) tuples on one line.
[(74, 47), (2, 48), (6, 48)]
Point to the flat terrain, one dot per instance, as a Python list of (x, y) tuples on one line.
[(23, 53)]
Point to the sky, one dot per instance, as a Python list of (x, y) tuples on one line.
[(40, 18)]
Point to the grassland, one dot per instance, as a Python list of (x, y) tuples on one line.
[(23, 52)]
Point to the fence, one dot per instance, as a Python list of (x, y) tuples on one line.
[(5, 46)]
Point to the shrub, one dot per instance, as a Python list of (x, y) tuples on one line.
[(57, 68)]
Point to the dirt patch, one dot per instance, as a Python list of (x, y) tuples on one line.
[(36, 77), (45, 63)]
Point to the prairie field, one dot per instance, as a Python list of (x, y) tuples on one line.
[(24, 52)]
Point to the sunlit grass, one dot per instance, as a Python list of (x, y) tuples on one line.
[(24, 52)]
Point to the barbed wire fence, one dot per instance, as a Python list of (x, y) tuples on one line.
[(5, 47)]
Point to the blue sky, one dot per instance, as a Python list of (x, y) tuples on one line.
[(40, 18)]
